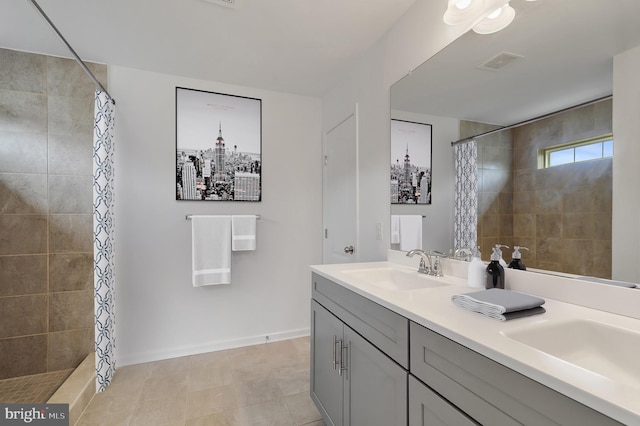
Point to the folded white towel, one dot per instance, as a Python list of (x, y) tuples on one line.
[(243, 232), (395, 229), (410, 232), (211, 250)]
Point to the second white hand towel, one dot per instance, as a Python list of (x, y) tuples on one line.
[(243, 232), (211, 250), (410, 232)]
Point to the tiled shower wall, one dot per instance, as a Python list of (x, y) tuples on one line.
[(562, 214), (46, 252)]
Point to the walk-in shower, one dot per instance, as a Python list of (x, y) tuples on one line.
[(46, 220)]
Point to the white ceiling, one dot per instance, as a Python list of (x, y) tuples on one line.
[(567, 48), (294, 46)]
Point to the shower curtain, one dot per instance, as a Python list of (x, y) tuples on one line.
[(103, 236), (466, 197)]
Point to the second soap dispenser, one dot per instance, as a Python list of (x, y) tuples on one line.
[(516, 258), (495, 271), (476, 270)]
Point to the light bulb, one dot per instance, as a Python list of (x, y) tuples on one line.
[(463, 4), (495, 13)]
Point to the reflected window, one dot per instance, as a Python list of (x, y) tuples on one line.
[(574, 152)]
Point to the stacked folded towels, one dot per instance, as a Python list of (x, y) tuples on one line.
[(500, 304)]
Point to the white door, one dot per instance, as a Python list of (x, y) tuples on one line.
[(340, 195)]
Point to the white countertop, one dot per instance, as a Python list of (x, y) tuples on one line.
[(432, 308)]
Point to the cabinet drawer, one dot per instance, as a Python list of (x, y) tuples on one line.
[(488, 391), (382, 327), (426, 408)]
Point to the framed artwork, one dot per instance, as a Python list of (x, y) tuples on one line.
[(218, 146), (410, 162)]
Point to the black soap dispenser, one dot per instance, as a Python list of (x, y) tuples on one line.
[(516, 259), (495, 271)]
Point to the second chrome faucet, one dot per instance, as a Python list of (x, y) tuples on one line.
[(427, 266)]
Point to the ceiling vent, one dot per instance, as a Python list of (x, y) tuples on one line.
[(233, 4), (499, 61)]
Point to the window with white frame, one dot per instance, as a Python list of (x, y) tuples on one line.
[(577, 151)]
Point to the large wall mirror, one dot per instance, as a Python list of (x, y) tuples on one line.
[(555, 56)]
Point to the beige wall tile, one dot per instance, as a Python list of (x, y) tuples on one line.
[(23, 112), (65, 77), (67, 349), (23, 315), (22, 193), (67, 310), (71, 233), (23, 356), (22, 275), (71, 155), (70, 116), (72, 271), (578, 226), (23, 72), (23, 234), (70, 194), (23, 152)]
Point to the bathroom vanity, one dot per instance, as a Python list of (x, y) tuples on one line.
[(389, 348)]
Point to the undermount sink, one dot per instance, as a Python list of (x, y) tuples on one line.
[(600, 348), (394, 278)]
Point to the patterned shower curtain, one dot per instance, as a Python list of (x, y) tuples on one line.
[(103, 236), (466, 198)]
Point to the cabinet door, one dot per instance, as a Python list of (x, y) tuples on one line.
[(326, 382), (375, 386), (426, 408)]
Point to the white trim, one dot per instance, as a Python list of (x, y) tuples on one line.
[(181, 351)]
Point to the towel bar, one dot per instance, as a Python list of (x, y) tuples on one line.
[(188, 217)]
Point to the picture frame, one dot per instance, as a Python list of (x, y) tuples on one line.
[(411, 149), (218, 146)]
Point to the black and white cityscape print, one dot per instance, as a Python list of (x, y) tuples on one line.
[(218, 147), (410, 162)]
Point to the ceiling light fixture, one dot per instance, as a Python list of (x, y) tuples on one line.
[(483, 16)]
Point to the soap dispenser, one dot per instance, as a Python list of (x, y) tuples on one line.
[(476, 271), (495, 271), (516, 259), (501, 260)]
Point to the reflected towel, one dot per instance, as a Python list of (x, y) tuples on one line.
[(410, 232), (395, 229), (211, 250), (243, 232), (500, 304)]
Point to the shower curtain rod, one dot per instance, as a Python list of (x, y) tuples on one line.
[(73, 52), (531, 120)]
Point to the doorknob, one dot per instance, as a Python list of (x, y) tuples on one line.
[(348, 249)]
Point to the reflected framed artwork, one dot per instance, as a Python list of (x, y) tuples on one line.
[(411, 146), (218, 146)]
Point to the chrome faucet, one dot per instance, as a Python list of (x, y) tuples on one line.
[(424, 258), (463, 253)]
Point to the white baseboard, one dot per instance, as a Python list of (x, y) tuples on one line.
[(176, 352)]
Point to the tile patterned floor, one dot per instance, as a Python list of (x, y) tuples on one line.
[(34, 389), (253, 386)]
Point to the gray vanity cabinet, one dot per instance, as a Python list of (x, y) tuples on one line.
[(489, 392), (353, 382), (427, 408)]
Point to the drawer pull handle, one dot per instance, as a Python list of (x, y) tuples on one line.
[(343, 359), (336, 345)]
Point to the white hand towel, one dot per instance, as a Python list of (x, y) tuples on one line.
[(243, 232), (211, 250), (410, 232), (395, 229)]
